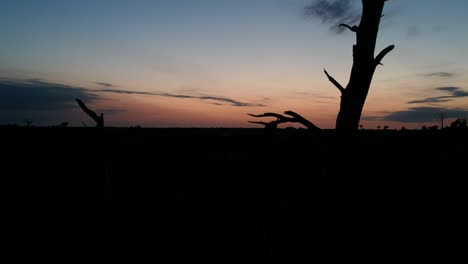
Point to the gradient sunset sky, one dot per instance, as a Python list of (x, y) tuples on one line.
[(207, 63)]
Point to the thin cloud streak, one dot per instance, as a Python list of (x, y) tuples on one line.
[(439, 74), (432, 100), (455, 92), (185, 96), (35, 94), (108, 85)]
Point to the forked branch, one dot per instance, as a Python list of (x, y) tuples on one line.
[(295, 118)]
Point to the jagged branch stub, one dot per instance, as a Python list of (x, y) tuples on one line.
[(99, 119)]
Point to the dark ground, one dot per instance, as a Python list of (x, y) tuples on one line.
[(234, 195)]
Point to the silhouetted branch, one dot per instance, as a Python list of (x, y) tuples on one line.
[(98, 119), (279, 116), (382, 54), (352, 28), (296, 118), (299, 119), (336, 83)]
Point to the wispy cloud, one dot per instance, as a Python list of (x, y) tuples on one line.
[(217, 99), (334, 12), (123, 92), (104, 84), (418, 76), (419, 115), (454, 92), (431, 100), (439, 74)]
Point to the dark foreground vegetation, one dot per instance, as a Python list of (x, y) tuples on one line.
[(234, 195)]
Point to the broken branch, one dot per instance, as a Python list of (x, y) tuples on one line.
[(352, 28), (98, 119), (335, 82), (382, 54)]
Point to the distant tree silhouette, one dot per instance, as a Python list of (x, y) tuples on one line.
[(29, 122), (459, 123), (98, 119), (62, 125), (354, 95)]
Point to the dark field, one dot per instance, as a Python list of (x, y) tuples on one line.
[(234, 195)]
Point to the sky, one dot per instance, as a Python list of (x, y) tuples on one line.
[(208, 63)]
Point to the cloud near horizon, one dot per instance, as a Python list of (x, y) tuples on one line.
[(419, 115), (454, 92), (38, 95), (42, 102), (49, 103)]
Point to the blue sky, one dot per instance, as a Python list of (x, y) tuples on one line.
[(208, 63)]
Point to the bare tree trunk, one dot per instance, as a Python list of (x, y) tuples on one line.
[(364, 65), (354, 95)]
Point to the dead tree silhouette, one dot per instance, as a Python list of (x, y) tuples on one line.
[(354, 95), (98, 119), (29, 122), (270, 127)]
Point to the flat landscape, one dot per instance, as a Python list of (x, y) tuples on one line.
[(232, 195), (248, 131)]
